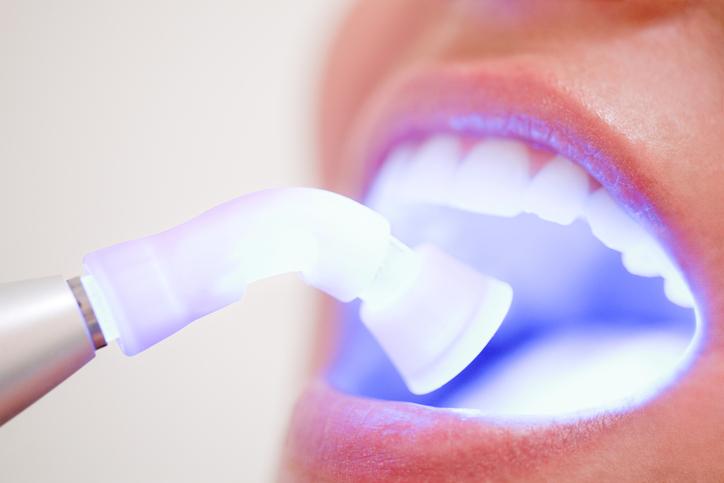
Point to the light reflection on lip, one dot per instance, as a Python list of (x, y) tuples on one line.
[(335, 436)]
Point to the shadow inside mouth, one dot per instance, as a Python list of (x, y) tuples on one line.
[(583, 335)]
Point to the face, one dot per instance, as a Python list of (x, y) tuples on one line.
[(632, 93)]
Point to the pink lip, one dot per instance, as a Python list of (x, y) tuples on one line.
[(336, 437), (339, 437), (512, 101)]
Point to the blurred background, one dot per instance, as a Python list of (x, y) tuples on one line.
[(118, 120)]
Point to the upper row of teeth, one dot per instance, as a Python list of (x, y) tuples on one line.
[(495, 177)]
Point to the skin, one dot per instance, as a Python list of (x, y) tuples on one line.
[(646, 80)]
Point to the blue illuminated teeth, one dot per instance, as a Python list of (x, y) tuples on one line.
[(430, 173), (384, 195), (676, 288), (644, 257), (558, 192), (610, 223), (641, 254), (494, 178)]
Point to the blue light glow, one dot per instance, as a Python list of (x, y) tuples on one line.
[(583, 334)]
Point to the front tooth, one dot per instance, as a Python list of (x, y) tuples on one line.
[(384, 193), (431, 170), (492, 178), (558, 192), (609, 223)]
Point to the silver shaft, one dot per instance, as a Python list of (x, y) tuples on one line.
[(47, 332)]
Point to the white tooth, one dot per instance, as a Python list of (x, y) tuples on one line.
[(431, 170), (609, 223), (641, 254), (384, 193), (492, 178), (558, 192), (645, 257), (676, 288)]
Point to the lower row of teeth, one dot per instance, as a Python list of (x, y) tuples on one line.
[(496, 177)]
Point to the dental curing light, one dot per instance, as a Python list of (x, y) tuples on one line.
[(430, 313)]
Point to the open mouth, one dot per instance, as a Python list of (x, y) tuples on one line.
[(501, 169), (602, 319)]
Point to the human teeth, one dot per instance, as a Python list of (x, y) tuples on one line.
[(609, 223), (492, 178), (430, 171), (645, 257), (383, 195), (641, 254), (558, 192), (676, 289)]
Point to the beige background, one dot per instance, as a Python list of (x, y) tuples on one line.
[(119, 119)]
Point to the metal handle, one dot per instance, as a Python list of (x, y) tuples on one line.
[(44, 338)]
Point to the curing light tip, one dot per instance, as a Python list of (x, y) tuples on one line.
[(431, 313)]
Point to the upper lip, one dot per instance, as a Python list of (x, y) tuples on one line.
[(338, 437), (513, 102), (372, 439)]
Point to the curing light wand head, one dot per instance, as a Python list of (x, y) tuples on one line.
[(436, 317), (430, 313)]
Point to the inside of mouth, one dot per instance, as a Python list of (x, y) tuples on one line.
[(584, 333)]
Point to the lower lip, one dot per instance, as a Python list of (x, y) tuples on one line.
[(337, 437)]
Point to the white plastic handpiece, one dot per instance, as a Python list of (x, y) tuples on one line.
[(144, 290)]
